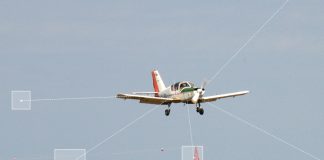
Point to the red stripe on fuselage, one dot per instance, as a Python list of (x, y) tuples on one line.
[(155, 85)]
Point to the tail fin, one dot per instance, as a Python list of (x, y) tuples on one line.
[(157, 82)]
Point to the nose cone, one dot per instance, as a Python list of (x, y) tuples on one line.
[(201, 91)]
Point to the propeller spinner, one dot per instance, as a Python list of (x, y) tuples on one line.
[(199, 92)]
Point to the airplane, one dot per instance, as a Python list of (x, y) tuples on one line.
[(180, 92)]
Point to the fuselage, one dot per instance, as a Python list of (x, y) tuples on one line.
[(183, 90)]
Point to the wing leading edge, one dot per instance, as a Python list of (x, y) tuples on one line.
[(220, 96), (148, 99)]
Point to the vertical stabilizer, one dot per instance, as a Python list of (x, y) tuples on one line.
[(157, 82)]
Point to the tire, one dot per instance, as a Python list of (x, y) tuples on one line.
[(201, 111), (167, 112)]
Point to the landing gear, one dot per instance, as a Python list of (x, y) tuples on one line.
[(199, 109), (168, 110)]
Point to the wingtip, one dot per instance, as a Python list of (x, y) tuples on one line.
[(244, 92), (120, 95)]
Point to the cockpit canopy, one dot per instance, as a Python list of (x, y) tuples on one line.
[(181, 85)]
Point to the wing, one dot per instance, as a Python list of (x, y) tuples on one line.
[(148, 93), (220, 96), (148, 99)]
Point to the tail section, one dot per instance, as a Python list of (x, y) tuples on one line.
[(157, 82)]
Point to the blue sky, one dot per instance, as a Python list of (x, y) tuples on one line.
[(100, 48)]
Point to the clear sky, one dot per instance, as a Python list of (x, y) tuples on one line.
[(78, 48)]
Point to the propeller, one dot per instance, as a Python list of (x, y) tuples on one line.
[(199, 92), (203, 84)]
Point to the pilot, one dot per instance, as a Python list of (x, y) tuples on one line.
[(183, 85)]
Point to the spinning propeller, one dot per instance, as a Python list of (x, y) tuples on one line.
[(199, 92)]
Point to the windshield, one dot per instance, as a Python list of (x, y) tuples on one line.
[(181, 85), (184, 85)]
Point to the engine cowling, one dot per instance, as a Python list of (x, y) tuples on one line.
[(195, 98)]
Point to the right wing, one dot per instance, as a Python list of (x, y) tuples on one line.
[(148, 99), (216, 97)]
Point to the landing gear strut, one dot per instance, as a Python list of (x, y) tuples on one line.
[(168, 110), (199, 109)]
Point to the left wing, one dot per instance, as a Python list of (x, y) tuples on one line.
[(147, 93), (216, 97), (148, 99)]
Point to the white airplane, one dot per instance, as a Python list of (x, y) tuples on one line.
[(180, 92)]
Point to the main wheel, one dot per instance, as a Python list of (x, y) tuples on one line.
[(201, 111), (167, 112)]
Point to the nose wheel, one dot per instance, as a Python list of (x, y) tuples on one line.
[(200, 110)]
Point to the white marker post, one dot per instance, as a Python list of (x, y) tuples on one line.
[(192, 153), (69, 154), (21, 100)]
